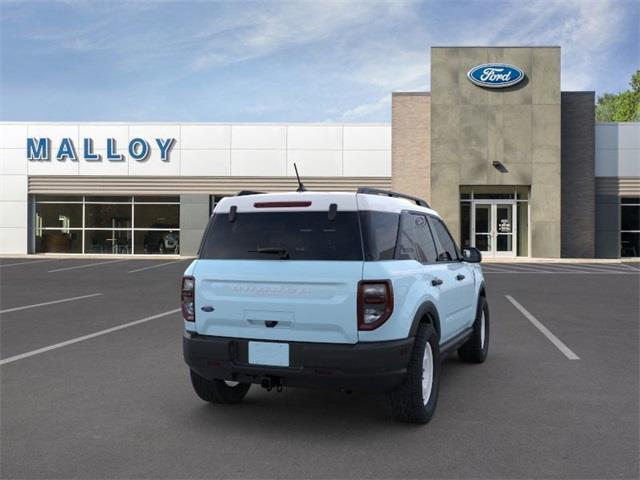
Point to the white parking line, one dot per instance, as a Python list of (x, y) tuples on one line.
[(489, 266), (513, 272), (63, 300), (586, 268), (516, 269), (154, 266), (544, 330), (86, 265), (568, 269), (27, 263), (15, 358), (525, 267), (506, 271), (531, 268), (616, 267), (560, 268)]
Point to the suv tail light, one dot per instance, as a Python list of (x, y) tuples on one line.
[(375, 303), (187, 298)]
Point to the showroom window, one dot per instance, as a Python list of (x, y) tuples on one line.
[(630, 227), (107, 224), (213, 201)]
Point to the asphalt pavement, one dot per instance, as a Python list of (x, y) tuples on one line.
[(93, 385)]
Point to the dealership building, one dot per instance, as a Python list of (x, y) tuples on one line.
[(515, 166)]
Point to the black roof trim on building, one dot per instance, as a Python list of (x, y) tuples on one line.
[(495, 46), (413, 94)]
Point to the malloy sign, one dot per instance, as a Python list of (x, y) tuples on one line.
[(39, 149), (495, 75)]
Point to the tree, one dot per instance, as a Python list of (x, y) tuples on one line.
[(621, 107)]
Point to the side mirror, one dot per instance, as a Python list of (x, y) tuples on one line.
[(444, 257), (471, 255)]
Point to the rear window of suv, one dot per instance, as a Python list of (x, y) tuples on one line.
[(283, 235)]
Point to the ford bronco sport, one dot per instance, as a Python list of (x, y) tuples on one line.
[(358, 291)]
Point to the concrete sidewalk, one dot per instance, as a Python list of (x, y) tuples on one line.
[(558, 260), (81, 256)]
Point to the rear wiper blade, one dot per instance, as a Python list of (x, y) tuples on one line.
[(283, 252)]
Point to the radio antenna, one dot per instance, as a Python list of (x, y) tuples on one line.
[(301, 187)]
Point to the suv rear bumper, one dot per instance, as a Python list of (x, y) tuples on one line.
[(370, 367)]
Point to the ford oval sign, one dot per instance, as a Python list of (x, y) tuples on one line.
[(495, 75)]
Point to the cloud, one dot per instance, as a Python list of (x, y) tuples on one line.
[(224, 32), (394, 68), (259, 32), (587, 31), (590, 37), (368, 110), (297, 61)]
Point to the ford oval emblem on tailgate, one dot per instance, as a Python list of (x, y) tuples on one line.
[(207, 308)]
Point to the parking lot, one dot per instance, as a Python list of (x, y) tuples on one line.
[(94, 386)]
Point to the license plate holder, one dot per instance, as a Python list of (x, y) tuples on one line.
[(269, 353)]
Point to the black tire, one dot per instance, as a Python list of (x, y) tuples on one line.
[(406, 401), (476, 348), (217, 391)]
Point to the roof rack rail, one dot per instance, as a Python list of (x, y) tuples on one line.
[(389, 193), (242, 193)]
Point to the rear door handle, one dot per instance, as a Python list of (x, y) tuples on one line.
[(436, 281), (460, 277)]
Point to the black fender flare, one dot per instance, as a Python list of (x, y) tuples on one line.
[(426, 310), (482, 291)]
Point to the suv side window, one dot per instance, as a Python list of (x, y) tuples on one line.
[(379, 234), (414, 239), (447, 250)]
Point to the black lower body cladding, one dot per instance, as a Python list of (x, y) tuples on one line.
[(367, 367)]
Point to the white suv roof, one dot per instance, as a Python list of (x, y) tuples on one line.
[(318, 201)]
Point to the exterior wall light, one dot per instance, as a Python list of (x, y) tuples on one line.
[(499, 166)]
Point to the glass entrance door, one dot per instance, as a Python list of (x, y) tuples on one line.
[(504, 218), (494, 227), (483, 237)]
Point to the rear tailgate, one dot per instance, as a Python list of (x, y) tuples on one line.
[(281, 267), (305, 301)]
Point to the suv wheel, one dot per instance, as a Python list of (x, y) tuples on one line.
[(218, 391), (415, 400), (476, 348)]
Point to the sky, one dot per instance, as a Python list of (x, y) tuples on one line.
[(277, 61)]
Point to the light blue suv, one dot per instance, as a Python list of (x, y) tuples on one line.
[(351, 291)]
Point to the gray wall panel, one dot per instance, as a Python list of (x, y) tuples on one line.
[(578, 175), (194, 215), (607, 241)]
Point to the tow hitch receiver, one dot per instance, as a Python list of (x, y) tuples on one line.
[(270, 383)]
